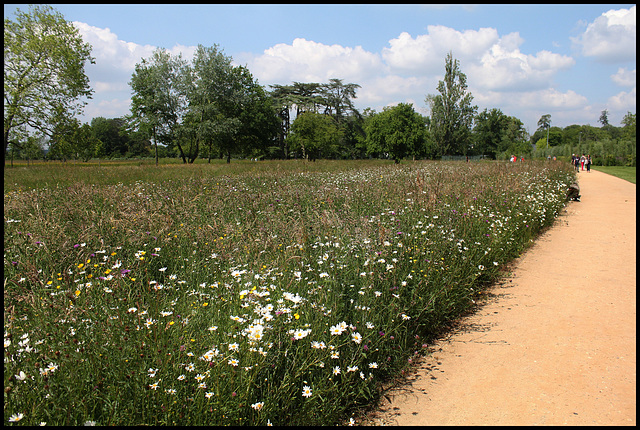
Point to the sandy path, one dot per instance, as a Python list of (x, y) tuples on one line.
[(556, 344)]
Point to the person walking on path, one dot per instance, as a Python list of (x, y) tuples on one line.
[(550, 346), (582, 160), (589, 163)]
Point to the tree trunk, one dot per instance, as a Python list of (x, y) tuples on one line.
[(155, 141)]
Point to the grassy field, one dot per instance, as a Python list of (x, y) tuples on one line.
[(280, 293), (626, 173)]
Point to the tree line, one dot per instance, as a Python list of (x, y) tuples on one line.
[(208, 108)]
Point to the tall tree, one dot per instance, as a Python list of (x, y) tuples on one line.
[(451, 111), (159, 101), (337, 98), (44, 76), (283, 100), (544, 122), (604, 118)]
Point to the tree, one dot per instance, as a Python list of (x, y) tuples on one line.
[(228, 110), (112, 135), (604, 118), (545, 122), (315, 135), (337, 98), (629, 126), (283, 101), (159, 102), (451, 111), (44, 59), (397, 131), (489, 129)]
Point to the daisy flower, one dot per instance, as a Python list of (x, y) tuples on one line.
[(257, 406), (356, 337), (16, 417), (306, 391)]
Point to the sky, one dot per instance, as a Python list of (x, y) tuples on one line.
[(569, 61)]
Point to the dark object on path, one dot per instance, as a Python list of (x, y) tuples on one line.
[(573, 193)]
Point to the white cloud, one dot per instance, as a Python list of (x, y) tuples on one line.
[(611, 37), (110, 52), (511, 70), (624, 77), (309, 61), (113, 108), (490, 61), (392, 89), (623, 101), (115, 62), (425, 54)]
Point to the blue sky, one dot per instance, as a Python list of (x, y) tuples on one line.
[(570, 61)]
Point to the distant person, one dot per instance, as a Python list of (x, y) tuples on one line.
[(588, 163), (573, 193), (582, 160)]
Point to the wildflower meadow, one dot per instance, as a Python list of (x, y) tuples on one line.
[(283, 293)]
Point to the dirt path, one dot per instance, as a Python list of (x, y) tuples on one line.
[(556, 344)]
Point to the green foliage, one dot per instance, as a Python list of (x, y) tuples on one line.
[(44, 78), (452, 112), (315, 136), (398, 131), (158, 102), (496, 133)]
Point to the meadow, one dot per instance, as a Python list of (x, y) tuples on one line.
[(269, 293)]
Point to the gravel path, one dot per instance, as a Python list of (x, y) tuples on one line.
[(555, 344)]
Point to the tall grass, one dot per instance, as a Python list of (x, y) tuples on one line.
[(284, 294)]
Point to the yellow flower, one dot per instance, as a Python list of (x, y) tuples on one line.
[(205, 304), (80, 265), (77, 293), (296, 316), (49, 282)]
